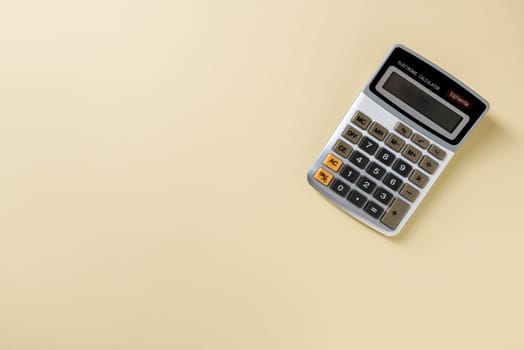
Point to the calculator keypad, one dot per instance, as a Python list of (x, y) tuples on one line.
[(377, 170)]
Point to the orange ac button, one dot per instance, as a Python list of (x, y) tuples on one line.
[(333, 162), (323, 176)]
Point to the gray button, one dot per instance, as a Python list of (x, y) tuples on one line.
[(436, 151), (411, 153), (409, 192), (420, 141), (361, 120), (418, 178), (395, 213), (429, 164), (403, 129), (378, 131), (395, 142), (342, 148), (352, 134)]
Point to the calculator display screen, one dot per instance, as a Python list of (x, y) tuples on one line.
[(422, 102)]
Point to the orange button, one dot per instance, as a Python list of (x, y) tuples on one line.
[(332, 162), (323, 176)]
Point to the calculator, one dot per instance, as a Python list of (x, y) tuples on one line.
[(396, 139)]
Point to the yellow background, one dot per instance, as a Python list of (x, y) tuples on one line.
[(153, 189)]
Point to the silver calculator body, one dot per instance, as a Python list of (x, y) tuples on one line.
[(396, 139)]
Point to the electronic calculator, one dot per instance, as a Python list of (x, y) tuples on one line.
[(395, 140)]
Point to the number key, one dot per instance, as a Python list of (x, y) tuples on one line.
[(383, 195), (366, 184), (340, 188), (385, 156), (368, 145), (348, 173), (392, 181), (376, 170), (359, 159), (402, 167)]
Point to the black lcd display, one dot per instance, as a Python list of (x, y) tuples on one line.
[(422, 102)]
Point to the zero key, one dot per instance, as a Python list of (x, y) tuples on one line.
[(395, 213)]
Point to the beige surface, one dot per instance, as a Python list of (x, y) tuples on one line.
[(153, 188)]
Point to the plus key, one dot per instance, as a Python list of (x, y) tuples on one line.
[(395, 213), (428, 164)]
